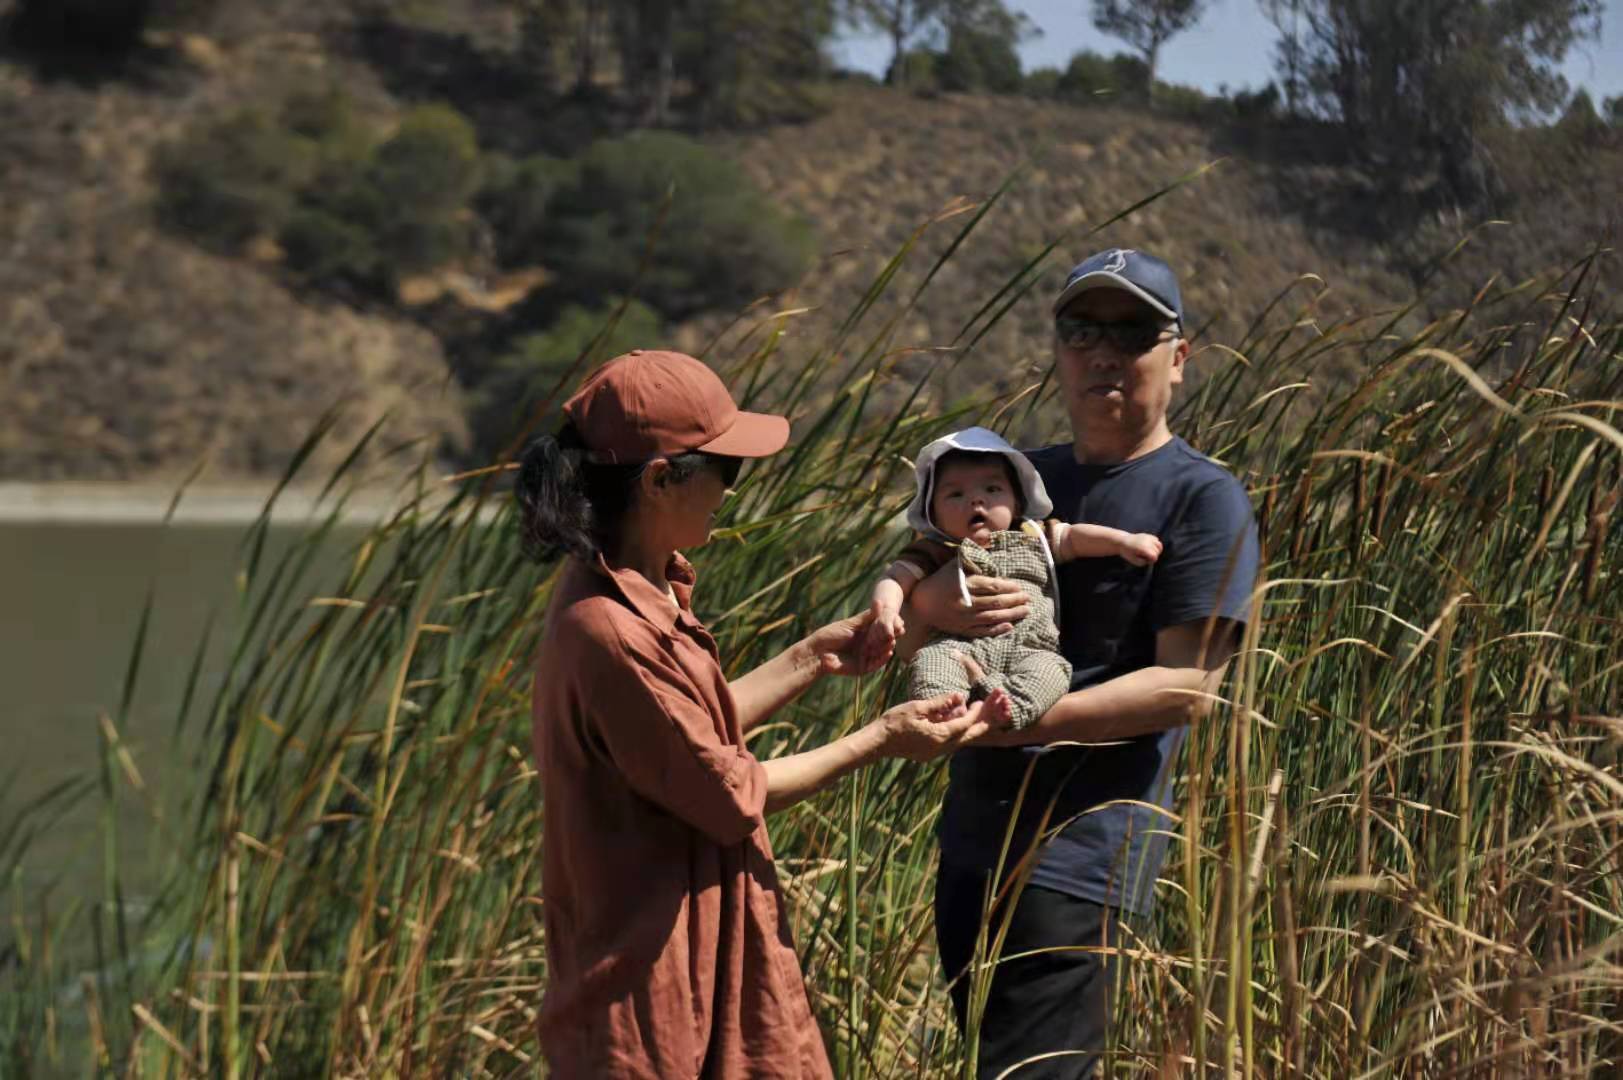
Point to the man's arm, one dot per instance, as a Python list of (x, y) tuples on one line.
[(1175, 691)]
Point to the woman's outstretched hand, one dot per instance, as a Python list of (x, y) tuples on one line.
[(926, 729), (842, 648)]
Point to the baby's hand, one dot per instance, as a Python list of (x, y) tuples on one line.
[(1141, 549), (886, 627)]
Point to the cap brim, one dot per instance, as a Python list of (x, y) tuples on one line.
[(752, 435), (1104, 279)]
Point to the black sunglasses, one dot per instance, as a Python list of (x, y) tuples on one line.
[(1128, 337), (728, 467)]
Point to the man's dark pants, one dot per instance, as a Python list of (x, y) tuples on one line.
[(1057, 1001)]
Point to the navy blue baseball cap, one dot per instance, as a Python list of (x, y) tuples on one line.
[(1139, 273)]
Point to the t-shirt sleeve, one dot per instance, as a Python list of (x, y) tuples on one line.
[(664, 741), (1209, 562)]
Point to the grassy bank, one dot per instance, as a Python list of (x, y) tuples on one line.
[(1399, 836)]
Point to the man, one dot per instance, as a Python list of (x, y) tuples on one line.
[(1147, 646)]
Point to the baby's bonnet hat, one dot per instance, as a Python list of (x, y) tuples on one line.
[(981, 441)]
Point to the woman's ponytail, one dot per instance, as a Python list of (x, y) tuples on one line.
[(567, 504), (554, 514)]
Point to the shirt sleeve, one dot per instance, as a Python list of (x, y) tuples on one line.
[(926, 556), (1209, 565), (666, 743)]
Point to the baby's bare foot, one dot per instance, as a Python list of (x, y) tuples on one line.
[(999, 709)]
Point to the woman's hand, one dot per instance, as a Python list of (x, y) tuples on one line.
[(996, 604), (925, 729), (843, 648), (997, 708)]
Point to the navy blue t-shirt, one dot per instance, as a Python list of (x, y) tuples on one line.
[(1111, 850)]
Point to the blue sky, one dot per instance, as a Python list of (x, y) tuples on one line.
[(1232, 45)]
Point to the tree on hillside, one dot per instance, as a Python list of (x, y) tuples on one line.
[(981, 40), (981, 26), (736, 59), (1286, 15), (1417, 84), (1146, 25), (747, 60), (646, 32), (903, 22)]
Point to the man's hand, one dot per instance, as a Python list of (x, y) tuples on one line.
[(926, 729), (995, 604), (841, 647), (1140, 549)]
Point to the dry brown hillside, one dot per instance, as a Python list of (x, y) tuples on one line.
[(126, 352), (882, 162)]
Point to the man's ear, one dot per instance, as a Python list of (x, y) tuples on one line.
[(1180, 356)]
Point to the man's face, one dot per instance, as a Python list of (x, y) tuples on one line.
[(974, 499), (1112, 387)]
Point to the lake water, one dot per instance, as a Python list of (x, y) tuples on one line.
[(74, 591)]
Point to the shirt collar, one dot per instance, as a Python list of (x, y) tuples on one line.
[(646, 599)]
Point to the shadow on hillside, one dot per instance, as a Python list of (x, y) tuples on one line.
[(58, 46), (512, 110), (1319, 180)]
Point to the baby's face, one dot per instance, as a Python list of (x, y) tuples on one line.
[(973, 499)]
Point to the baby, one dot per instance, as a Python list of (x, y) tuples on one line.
[(979, 502)]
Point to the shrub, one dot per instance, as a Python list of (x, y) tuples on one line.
[(521, 378), (854, 76), (233, 180), (1043, 82), (1093, 77), (326, 115), (430, 166), (1188, 102), (914, 70), (1580, 120), (1256, 104), (722, 241), (344, 207), (977, 60), (1612, 109), (514, 203), (325, 248)]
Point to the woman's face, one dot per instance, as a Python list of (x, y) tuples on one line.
[(689, 506)]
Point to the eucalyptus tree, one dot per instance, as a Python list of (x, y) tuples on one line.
[(1146, 25)]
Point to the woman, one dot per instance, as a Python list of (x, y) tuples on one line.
[(669, 952)]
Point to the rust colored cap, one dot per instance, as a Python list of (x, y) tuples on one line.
[(649, 404)]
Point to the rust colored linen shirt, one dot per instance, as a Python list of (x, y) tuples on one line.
[(668, 945)]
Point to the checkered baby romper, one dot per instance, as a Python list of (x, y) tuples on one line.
[(1026, 661)]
